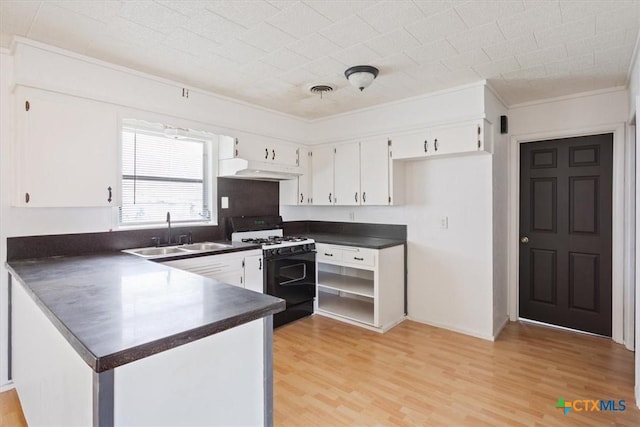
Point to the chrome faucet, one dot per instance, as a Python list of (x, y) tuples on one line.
[(168, 228)]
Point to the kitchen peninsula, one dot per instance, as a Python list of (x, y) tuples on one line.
[(113, 339)]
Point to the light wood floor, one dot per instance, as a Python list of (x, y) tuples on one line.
[(331, 374), (10, 410), (328, 373)]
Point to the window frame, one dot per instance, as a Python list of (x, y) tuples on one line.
[(210, 168)]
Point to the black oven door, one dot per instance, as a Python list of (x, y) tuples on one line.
[(292, 278)]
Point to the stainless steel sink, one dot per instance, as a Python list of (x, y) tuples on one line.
[(169, 251), (154, 252), (205, 246)]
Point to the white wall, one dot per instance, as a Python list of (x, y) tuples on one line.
[(634, 108), (132, 94), (450, 272), (593, 112), (500, 192)]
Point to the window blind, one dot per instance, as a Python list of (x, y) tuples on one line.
[(161, 174)]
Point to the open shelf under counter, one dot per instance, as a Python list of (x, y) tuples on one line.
[(350, 284), (349, 308)]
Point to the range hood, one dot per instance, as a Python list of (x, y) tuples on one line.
[(261, 171)]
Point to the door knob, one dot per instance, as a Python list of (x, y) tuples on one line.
[(524, 239)]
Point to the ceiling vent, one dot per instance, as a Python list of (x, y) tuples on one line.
[(320, 89)]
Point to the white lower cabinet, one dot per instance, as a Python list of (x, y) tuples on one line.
[(243, 269), (361, 286)]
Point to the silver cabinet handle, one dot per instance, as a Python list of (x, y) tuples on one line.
[(364, 197), (266, 153), (301, 198), (425, 145), (356, 197), (435, 144), (330, 198), (524, 239)]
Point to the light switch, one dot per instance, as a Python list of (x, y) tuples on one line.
[(444, 222), (224, 203)]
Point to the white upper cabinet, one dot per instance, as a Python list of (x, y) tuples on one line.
[(297, 191), (461, 138), (322, 181), (356, 174), (347, 174), (66, 151), (260, 149), (374, 172)]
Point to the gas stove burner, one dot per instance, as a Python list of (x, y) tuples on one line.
[(274, 240)]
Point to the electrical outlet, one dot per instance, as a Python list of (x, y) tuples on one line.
[(444, 222), (224, 203), (352, 216)]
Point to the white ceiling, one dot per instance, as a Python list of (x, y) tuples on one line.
[(268, 52)]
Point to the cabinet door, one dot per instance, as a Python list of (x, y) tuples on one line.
[(265, 149), (457, 139), (254, 273), (304, 181), (322, 182), (283, 154), (297, 191), (374, 172), (67, 150), (347, 174), (412, 146)]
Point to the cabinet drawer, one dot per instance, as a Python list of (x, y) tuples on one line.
[(328, 253), (345, 254), (359, 256)]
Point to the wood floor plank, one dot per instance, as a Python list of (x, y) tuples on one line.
[(10, 410), (332, 374)]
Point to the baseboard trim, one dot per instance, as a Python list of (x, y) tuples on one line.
[(6, 387), (454, 329), (498, 330)]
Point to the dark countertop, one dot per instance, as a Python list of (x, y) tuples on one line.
[(360, 241), (115, 308)]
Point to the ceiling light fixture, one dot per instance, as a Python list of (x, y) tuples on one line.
[(361, 76)]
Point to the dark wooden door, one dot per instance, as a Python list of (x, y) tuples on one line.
[(565, 232)]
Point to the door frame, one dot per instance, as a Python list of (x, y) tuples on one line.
[(619, 306)]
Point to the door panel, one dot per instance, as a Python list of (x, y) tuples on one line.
[(374, 172), (322, 182), (565, 230), (347, 174)]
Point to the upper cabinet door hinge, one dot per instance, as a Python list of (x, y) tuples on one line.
[(27, 105), (389, 199), (389, 142), (242, 263), (335, 150)]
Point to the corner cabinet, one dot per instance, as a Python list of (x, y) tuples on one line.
[(297, 191), (66, 151), (361, 286), (461, 138), (243, 269)]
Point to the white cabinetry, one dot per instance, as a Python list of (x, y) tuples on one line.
[(461, 138), (242, 269), (361, 286), (322, 181), (254, 273), (297, 191), (66, 151), (353, 174), (258, 148), (346, 174)]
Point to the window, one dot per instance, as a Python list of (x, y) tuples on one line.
[(164, 170)]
